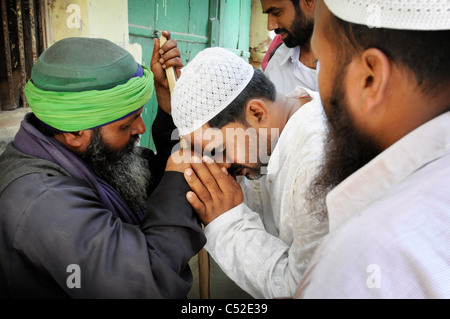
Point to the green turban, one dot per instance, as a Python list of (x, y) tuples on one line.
[(82, 83)]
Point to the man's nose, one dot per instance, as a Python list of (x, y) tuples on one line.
[(272, 23), (138, 127)]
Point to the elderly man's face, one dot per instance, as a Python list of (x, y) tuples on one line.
[(283, 17), (112, 154), (118, 134)]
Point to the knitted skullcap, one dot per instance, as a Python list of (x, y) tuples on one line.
[(399, 14), (83, 64), (208, 84)]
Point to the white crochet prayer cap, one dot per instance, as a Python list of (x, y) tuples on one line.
[(399, 14), (207, 85)]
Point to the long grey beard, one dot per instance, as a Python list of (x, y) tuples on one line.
[(127, 171), (130, 176)]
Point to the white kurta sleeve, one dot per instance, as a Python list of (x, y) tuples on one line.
[(251, 257)]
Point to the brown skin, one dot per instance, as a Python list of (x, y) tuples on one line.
[(116, 134), (281, 14), (383, 97), (214, 189)]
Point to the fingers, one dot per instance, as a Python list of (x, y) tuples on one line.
[(168, 55), (176, 62), (166, 34), (197, 187), (156, 55), (206, 177), (214, 191), (224, 180), (170, 58), (197, 205)]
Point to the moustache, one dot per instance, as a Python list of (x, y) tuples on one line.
[(129, 148), (234, 168), (279, 31)]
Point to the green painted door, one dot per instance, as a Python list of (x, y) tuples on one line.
[(195, 24)]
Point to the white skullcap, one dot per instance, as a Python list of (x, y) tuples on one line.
[(399, 14), (207, 85)]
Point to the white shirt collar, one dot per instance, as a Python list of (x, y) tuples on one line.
[(293, 55), (423, 145)]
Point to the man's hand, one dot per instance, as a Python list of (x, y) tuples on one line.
[(214, 190), (163, 58)]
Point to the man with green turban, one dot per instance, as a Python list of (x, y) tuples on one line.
[(84, 212)]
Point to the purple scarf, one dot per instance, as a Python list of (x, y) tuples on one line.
[(32, 142)]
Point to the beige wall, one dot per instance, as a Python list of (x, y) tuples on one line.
[(76, 18), (106, 19), (259, 35), (86, 18)]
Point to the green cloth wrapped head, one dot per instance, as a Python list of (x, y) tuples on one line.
[(83, 83)]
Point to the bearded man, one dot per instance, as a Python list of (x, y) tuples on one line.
[(84, 212), (292, 64), (385, 87)]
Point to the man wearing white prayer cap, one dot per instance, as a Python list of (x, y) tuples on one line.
[(231, 112), (384, 82)]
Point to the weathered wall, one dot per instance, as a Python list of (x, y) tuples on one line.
[(75, 18), (259, 36)]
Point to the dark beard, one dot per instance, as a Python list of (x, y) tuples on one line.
[(301, 33), (347, 149), (125, 170)]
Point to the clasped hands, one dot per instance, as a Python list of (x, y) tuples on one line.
[(214, 190)]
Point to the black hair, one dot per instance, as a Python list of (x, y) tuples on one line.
[(45, 129), (425, 53), (296, 4), (258, 87)]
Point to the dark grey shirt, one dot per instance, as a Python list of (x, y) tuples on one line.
[(51, 222)]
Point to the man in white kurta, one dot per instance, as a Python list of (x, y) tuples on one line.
[(265, 244), (287, 72), (292, 64)]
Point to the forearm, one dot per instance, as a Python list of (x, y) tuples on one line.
[(163, 98), (257, 261), (171, 226), (163, 130)]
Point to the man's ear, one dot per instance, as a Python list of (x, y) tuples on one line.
[(256, 113), (308, 7), (76, 141), (375, 78)]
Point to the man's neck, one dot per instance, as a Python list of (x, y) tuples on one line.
[(284, 108), (306, 57)]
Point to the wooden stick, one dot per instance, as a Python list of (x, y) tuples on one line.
[(170, 72), (172, 78), (204, 269)]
